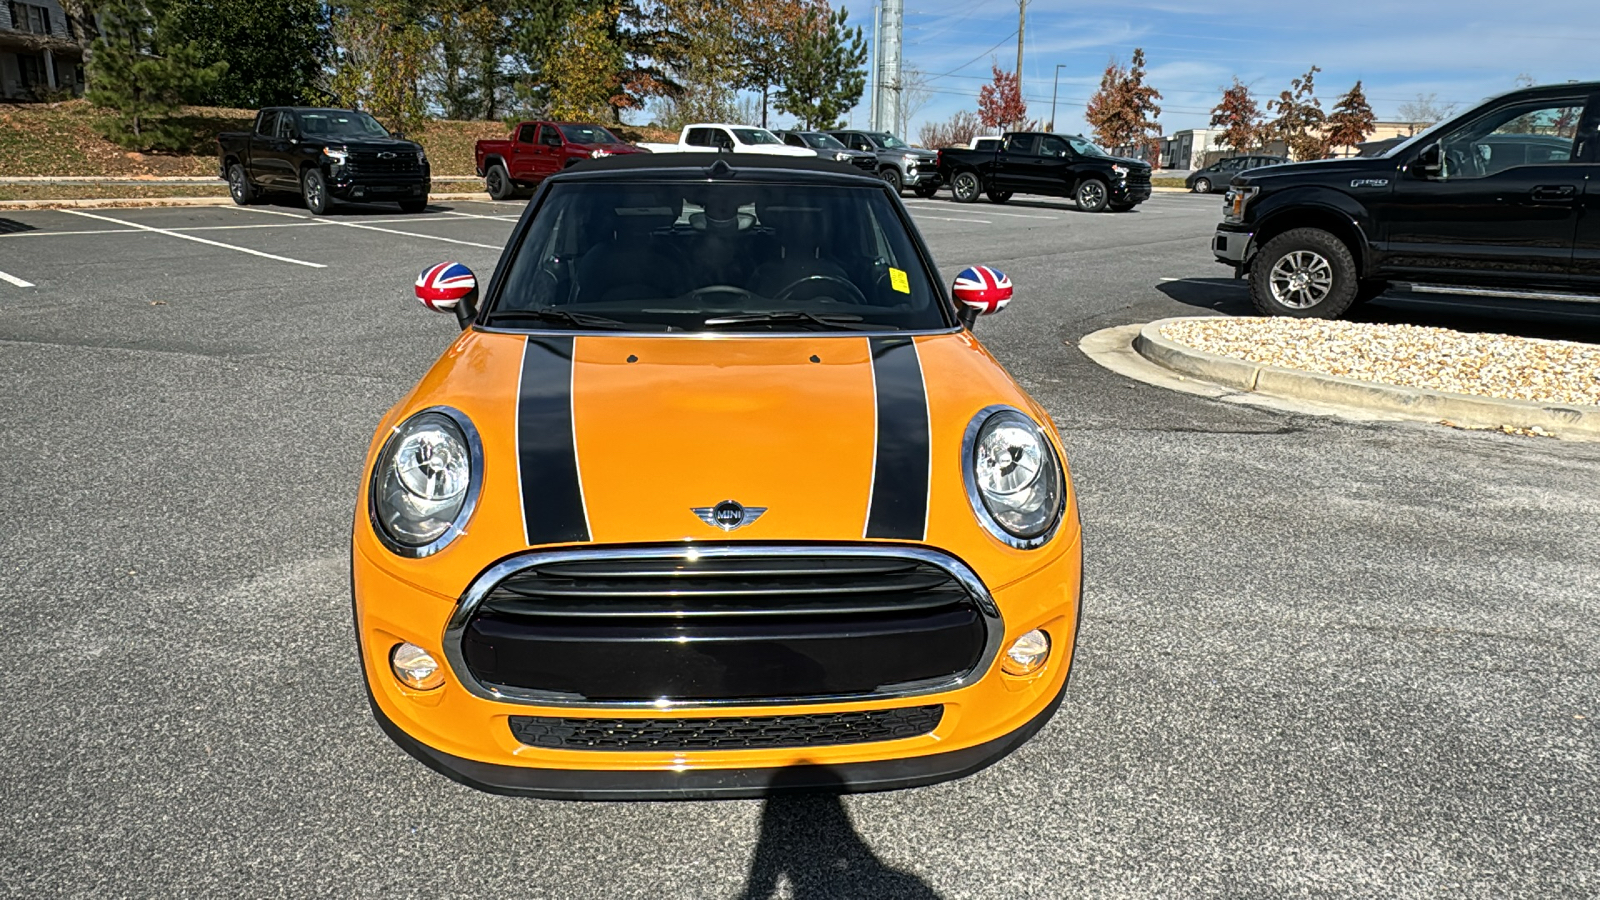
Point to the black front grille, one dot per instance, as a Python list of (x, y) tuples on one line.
[(1138, 176), (727, 732), (399, 162), (763, 627)]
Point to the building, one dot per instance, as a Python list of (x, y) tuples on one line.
[(40, 57), (1384, 131), (1188, 149)]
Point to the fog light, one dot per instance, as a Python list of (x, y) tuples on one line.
[(1027, 654), (415, 667)]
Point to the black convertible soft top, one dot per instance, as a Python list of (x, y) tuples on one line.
[(712, 165)]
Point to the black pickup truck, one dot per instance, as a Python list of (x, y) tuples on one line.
[(324, 155), (1500, 201), (1055, 165)]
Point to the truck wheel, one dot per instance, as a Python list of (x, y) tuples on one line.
[(999, 196), (891, 177), (1092, 195), (413, 205), (498, 183), (1306, 273), (1202, 185), (315, 189), (239, 186), (926, 189), (965, 187)]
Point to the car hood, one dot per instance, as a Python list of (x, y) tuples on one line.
[(1318, 167), (378, 145), (619, 439), (1129, 162)]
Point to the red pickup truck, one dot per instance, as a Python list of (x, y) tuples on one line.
[(536, 150)]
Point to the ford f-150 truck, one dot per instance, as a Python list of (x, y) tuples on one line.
[(1500, 201), (701, 137), (537, 150), (324, 155), (1055, 165)]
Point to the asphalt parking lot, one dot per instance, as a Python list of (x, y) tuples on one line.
[(1319, 658)]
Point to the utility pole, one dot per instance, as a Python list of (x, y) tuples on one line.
[(877, 63), (1022, 23), (887, 105)]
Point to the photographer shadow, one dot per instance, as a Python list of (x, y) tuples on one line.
[(807, 839)]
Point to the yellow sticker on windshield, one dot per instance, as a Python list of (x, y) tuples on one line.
[(897, 278)]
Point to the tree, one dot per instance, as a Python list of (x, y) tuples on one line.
[(1000, 103), (1300, 122), (586, 76), (825, 78), (1123, 111), (381, 58), (1351, 120), (1239, 118), (958, 131), (1427, 108), (915, 92), (145, 75), (769, 28), (274, 48)]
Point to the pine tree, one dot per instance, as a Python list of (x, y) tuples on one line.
[(825, 77), (1301, 121), (274, 48), (145, 75), (1239, 118), (1351, 120)]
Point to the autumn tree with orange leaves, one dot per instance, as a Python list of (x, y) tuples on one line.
[(1239, 118), (1123, 111), (1000, 103)]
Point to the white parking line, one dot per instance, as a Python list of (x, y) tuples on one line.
[(12, 279), (424, 237), (946, 219), (199, 240)]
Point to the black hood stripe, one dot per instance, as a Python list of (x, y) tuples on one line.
[(547, 456), (898, 508)]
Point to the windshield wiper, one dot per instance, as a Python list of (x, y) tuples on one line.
[(567, 317), (845, 321)]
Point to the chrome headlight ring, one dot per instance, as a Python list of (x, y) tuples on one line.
[(456, 427), (1050, 477)]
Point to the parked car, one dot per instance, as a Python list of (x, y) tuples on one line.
[(899, 164), (556, 595), (729, 139), (536, 150), (1215, 177), (1054, 165), (325, 155), (826, 146), (1499, 201)]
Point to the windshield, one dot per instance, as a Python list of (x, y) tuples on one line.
[(588, 134), (755, 136), (717, 256), (888, 141), (340, 123), (821, 141), (1086, 148)]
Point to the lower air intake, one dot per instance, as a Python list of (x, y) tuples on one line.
[(727, 732)]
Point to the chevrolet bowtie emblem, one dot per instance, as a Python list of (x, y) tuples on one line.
[(386, 155), (728, 515)]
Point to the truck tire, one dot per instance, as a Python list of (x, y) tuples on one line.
[(891, 177), (1092, 195), (315, 190), (498, 183), (966, 187), (239, 186), (999, 196), (926, 190), (1306, 273)]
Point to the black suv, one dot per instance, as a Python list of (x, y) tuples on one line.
[(1501, 201), (1216, 176)]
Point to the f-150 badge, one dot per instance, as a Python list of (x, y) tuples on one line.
[(1369, 182)]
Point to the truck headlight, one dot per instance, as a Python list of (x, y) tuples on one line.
[(1235, 201), (337, 155), (598, 154), (425, 482), (422, 157), (1014, 480), (1120, 171), (840, 156)]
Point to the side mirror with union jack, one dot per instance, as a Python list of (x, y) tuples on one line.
[(449, 287), (980, 291)]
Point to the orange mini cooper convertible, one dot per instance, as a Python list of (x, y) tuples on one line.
[(716, 494)]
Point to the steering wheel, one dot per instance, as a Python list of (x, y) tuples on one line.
[(854, 296)]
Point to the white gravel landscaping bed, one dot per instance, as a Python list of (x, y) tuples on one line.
[(1484, 365)]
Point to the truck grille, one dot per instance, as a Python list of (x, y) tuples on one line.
[(638, 627), (400, 162), (727, 732)]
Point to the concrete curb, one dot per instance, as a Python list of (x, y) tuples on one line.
[(137, 202), (1413, 403)]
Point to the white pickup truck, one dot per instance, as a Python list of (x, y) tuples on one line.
[(715, 136)]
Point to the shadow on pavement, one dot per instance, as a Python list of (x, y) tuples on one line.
[(807, 840), (1524, 318)]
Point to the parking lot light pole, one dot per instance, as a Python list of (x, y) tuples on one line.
[(1053, 92)]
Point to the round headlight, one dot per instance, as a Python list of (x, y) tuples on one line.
[(425, 482), (1014, 480)]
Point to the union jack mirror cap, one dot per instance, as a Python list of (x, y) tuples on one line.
[(983, 289), (442, 286)]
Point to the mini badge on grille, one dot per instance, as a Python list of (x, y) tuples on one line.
[(728, 515)]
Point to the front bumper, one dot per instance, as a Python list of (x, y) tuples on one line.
[(1232, 244), (358, 187), (1130, 191), (925, 172), (469, 737)]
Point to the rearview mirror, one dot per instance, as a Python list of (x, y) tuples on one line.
[(449, 287), (1430, 162), (980, 291)]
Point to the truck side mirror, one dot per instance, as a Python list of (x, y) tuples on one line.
[(449, 287), (398, 135), (1429, 162), (980, 291)]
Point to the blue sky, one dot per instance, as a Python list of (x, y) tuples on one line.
[(1463, 50)]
